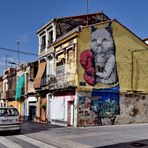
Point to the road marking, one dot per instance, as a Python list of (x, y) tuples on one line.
[(34, 142), (8, 143)]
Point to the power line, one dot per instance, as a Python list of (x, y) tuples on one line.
[(13, 50)]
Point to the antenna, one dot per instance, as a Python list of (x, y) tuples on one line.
[(87, 8), (18, 44), (102, 18)]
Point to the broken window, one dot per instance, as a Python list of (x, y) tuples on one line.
[(60, 66)]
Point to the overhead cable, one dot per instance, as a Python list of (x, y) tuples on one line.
[(13, 50)]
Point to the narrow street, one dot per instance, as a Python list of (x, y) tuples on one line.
[(48, 136)]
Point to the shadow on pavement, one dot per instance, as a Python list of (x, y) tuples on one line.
[(7, 133), (31, 127), (133, 144)]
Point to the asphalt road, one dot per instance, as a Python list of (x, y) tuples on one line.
[(132, 144)]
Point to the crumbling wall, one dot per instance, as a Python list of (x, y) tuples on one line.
[(133, 109)]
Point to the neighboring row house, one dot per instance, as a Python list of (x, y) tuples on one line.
[(30, 104), (8, 83), (16, 86)]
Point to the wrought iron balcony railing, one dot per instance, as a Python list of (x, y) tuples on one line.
[(59, 81)]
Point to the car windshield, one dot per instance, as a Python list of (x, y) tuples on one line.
[(8, 112)]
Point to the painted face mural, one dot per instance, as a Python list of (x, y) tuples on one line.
[(99, 66)]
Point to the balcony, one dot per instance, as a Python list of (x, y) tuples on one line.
[(63, 80), (60, 80)]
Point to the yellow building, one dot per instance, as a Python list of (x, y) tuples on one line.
[(107, 77), (91, 72)]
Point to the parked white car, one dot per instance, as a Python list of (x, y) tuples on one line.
[(10, 120)]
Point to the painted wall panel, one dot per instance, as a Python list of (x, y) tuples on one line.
[(140, 70), (58, 108)]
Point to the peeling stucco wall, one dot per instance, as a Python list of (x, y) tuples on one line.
[(133, 109)]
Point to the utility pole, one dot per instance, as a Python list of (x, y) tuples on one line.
[(87, 9), (18, 44)]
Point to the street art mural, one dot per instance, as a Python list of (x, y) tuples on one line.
[(87, 114), (98, 110), (99, 66)]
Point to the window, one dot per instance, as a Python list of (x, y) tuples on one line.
[(60, 67), (44, 79), (70, 55), (50, 38), (33, 71), (43, 44), (50, 67), (8, 112), (70, 59)]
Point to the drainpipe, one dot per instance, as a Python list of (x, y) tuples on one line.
[(132, 70)]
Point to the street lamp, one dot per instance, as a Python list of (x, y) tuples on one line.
[(14, 64)]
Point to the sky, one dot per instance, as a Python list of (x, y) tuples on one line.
[(20, 20)]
